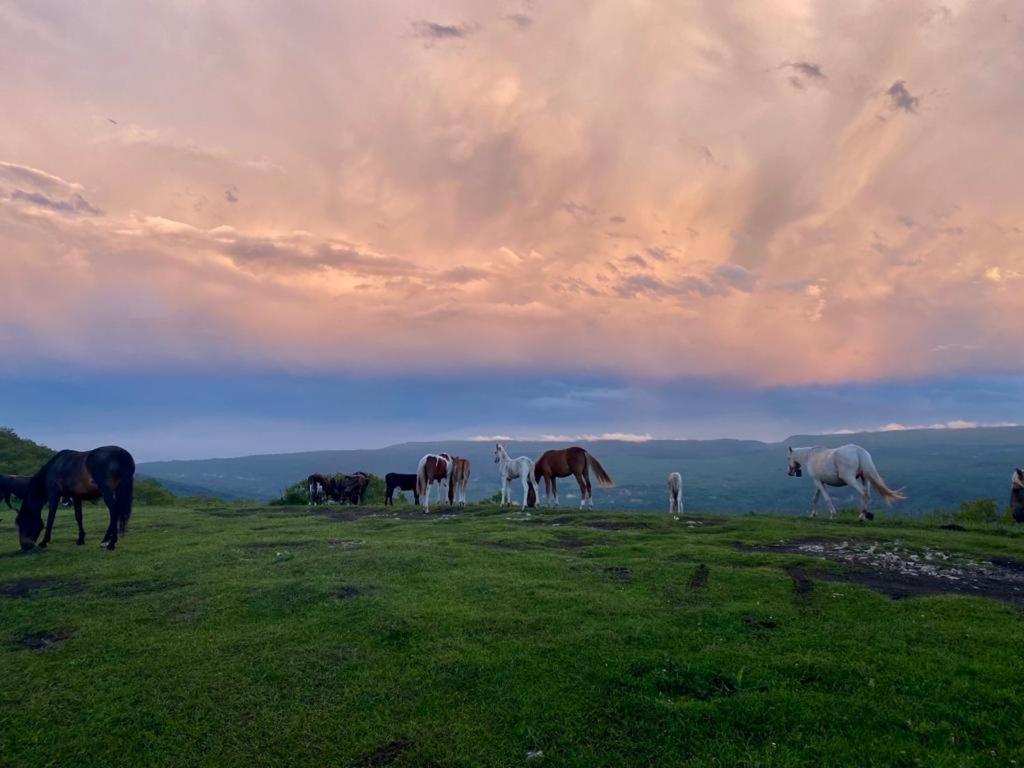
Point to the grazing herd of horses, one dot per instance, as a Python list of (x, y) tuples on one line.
[(109, 473)]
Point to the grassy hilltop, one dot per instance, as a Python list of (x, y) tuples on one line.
[(258, 636)]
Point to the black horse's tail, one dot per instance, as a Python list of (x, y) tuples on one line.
[(123, 499)]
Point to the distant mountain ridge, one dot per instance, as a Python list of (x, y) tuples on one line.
[(938, 469)]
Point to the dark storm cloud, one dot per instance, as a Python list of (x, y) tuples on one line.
[(432, 30), (901, 98)]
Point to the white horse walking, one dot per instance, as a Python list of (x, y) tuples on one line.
[(510, 469), (847, 465), (675, 493)]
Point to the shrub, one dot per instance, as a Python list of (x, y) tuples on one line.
[(978, 511)]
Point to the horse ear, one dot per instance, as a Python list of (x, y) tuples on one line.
[(789, 448)]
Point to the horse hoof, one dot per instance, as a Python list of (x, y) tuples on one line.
[(80, 542), (42, 545)]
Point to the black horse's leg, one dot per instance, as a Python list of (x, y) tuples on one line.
[(54, 502), (78, 519), (110, 538)]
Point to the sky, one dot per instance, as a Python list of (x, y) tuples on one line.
[(237, 227)]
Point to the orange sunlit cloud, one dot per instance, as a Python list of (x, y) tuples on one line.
[(654, 188)]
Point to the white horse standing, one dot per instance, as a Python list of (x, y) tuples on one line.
[(675, 493), (510, 469), (847, 465)]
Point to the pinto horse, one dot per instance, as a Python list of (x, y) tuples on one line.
[(397, 481), (458, 482), (107, 472), (847, 465), (318, 489), (574, 461), (433, 468)]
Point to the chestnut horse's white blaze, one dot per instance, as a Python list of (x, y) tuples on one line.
[(675, 493), (510, 469), (433, 468), (847, 465)]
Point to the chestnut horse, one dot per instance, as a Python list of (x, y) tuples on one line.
[(458, 482), (574, 461), (107, 472), (433, 468)]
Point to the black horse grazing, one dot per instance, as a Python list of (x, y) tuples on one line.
[(107, 472), (13, 485), (396, 481)]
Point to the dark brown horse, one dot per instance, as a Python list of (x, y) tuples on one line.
[(1017, 495), (13, 485), (351, 489), (575, 461), (107, 473)]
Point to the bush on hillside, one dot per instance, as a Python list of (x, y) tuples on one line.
[(19, 456), (978, 511)]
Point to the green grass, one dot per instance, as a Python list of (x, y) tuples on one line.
[(271, 636)]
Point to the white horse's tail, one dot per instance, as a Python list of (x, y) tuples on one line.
[(872, 476)]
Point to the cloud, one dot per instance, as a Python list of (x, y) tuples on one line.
[(519, 20), (231, 193), (901, 99), (74, 204), (433, 31), (23, 175), (628, 437), (804, 72)]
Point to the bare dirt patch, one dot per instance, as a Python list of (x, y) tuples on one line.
[(41, 587), (388, 753), (561, 520), (348, 591), (565, 541), (43, 641), (900, 571), (138, 587), (619, 573), (617, 525), (698, 579)]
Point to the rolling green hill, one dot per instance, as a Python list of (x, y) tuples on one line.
[(938, 469)]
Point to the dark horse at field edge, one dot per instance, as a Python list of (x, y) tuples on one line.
[(107, 473), (13, 485), (396, 481)]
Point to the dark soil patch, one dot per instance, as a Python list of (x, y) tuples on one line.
[(952, 527), (277, 545), (619, 573), (803, 587), (137, 587), (41, 587), (43, 641), (562, 520), (503, 544), (388, 753), (699, 578), (759, 623), (231, 512), (899, 572), (564, 541), (348, 592), (617, 525)]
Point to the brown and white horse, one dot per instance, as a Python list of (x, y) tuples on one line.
[(433, 468), (1017, 495), (574, 461), (458, 481)]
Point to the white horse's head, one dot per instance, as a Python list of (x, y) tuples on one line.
[(498, 452), (795, 468), (1018, 477)]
